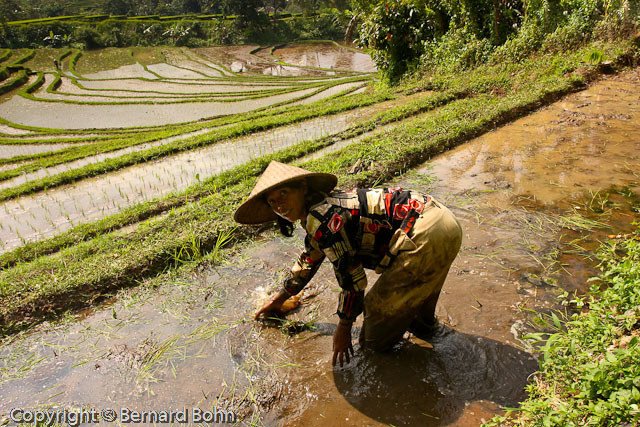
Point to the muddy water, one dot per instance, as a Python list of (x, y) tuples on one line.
[(8, 130), (327, 56), (9, 151), (190, 87), (240, 60), (73, 116), (184, 58), (185, 344), (126, 71), (501, 187)]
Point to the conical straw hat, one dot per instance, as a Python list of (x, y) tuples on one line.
[(256, 211)]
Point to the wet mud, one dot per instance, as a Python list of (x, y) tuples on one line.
[(191, 342)]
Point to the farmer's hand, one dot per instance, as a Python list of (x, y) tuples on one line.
[(342, 342), (273, 306)]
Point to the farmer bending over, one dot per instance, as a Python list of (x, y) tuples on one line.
[(408, 237)]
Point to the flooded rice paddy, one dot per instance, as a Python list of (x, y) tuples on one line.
[(533, 198), (42, 215), (100, 99)]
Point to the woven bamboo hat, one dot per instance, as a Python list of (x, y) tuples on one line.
[(256, 211)]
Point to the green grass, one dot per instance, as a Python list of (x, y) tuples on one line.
[(590, 361)]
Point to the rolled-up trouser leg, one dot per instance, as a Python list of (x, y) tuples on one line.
[(412, 283)]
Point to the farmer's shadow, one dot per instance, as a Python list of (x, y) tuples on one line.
[(415, 385)]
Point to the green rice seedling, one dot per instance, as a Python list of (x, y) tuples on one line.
[(574, 220), (158, 354), (594, 57)]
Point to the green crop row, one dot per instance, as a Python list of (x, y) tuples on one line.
[(20, 79)]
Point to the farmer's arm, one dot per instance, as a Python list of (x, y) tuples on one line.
[(301, 273), (353, 281), (329, 234)]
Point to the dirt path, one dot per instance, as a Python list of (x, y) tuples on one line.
[(528, 228)]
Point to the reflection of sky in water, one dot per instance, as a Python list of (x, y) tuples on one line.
[(44, 214)]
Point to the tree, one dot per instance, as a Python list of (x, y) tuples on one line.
[(118, 7), (9, 10), (395, 31), (247, 10), (273, 6)]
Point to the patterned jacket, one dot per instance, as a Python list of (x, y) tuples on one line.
[(354, 229)]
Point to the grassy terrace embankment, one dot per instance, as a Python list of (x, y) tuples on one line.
[(89, 270), (149, 209)]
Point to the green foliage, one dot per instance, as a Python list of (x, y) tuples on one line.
[(594, 57), (457, 34), (457, 49), (20, 79), (193, 31), (590, 368), (395, 31)]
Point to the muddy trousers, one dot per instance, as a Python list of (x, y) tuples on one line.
[(406, 293)]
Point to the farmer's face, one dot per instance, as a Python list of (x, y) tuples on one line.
[(288, 202)]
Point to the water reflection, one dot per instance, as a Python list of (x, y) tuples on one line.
[(415, 385)]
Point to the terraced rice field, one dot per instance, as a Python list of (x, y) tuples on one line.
[(121, 217), (154, 121)]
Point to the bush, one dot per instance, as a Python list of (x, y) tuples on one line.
[(458, 49), (396, 32), (590, 370)]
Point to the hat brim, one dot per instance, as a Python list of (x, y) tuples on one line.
[(256, 211)]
